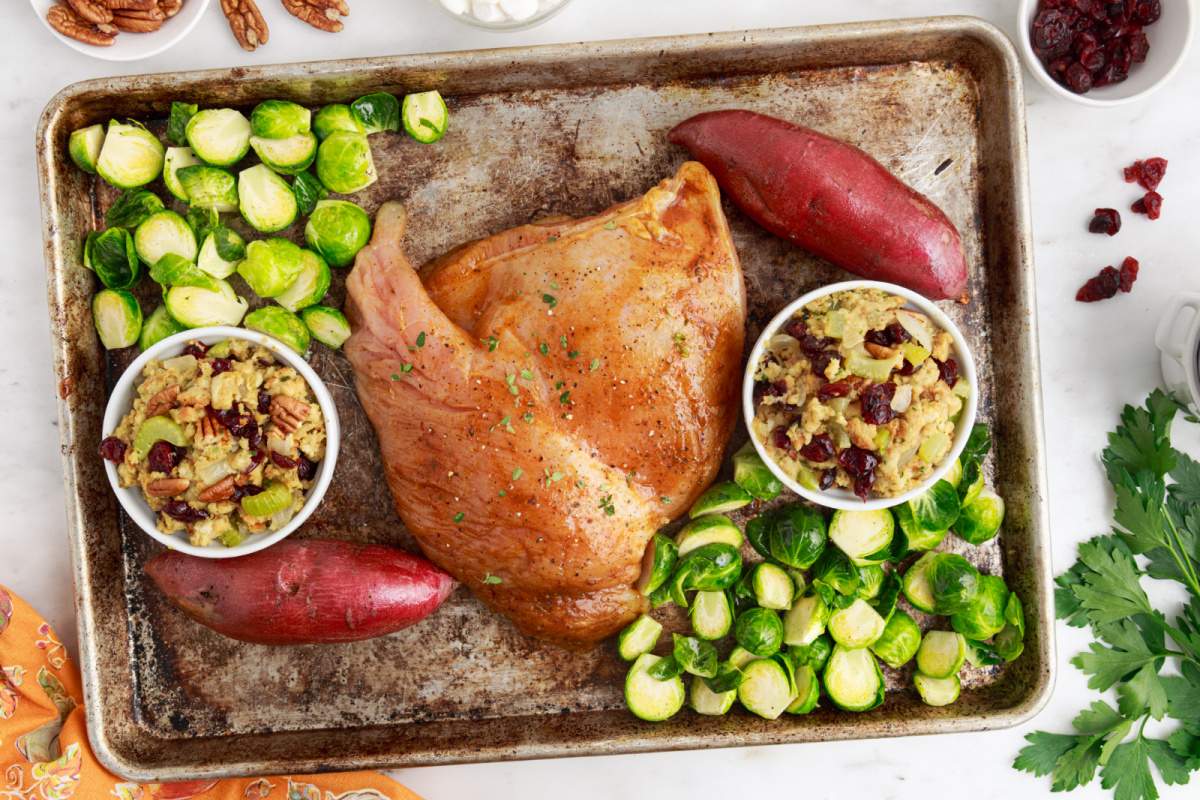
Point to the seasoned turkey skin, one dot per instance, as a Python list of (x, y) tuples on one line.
[(548, 397)]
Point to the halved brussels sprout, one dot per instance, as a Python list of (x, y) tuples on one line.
[(202, 221), (337, 229), (916, 584), (765, 689), (265, 200), (793, 535), (219, 136), (711, 615), (856, 625), (174, 270), (971, 484), (983, 617), (426, 117), (658, 562), (158, 326), (638, 637), (280, 323), (918, 539), (711, 567), (196, 306), (84, 147), (937, 691), (835, 570), (112, 257), (223, 249), (176, 159), (130, 157), (808, 690), (279, 119), (162, 233), (704, 700), (889, 593), (330, 327), (1010, 642), (720, 498), (753, 475), (310, 285), (815, 654), (344, 163), (760, 631), (773, 587), (981, 518), (336, 117), (132, 208), (118, 318), (805, 620), (954, 582), (177, 120), (696, 656), (648, 698), (941, 653), (209, 187), (870, 581), (289, 156), (899, 641), (864, 536), (706, 530), (378, 111), (853, 679), (937, 509), (308, 191)]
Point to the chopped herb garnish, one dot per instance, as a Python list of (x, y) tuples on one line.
[(406, 368), (563, 341), (552, 237), (573, 354), (554, 285), (681, 343), (492, 343), (506, 424), (503, 493), (580, 483), (395, 377), (559, 384), (666, 501), (565, 397), (517, 473), (492, 580), (611, 225), (421, 339), (595, 365), (606, 503), (459, 517), (550, 300), (544, 349), (527, 416), (526, 375)]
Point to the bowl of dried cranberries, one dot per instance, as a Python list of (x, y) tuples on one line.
[(1100, 53)]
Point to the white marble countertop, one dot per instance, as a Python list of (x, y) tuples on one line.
[(1094, 358)]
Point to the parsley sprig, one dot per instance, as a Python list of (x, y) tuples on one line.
[(1157, 536)]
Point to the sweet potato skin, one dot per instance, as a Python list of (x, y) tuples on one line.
[(304, 592), (830, 198)]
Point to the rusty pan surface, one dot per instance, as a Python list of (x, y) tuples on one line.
[(558, 129)]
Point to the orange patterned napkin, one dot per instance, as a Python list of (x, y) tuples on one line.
[(44, 752)]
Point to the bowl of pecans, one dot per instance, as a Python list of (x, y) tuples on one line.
[(120, 30)]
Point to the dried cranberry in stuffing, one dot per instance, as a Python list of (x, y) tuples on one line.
[(876, 403), (1150, 204), (1128, 273), (860, 464), (164, 456), (890, 336), (1107, 220), (828, 478), (836, 389), (243, 491), (197, 349), (763, 389), (180, 510), (1148, 173), (819, 449), (779, 437), (948, 371), (796, 329), (264, 402), (906, 367), (282, 461), (113, 449), (1101, 287), (259, 457), (306, 470), (220, 365), (242, 425)]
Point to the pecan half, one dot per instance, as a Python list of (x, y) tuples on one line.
[(321, 14), (127, 5), (246, 22), (162, 401), (73, 26), (209, 427), (169, 7), (167, 487), (287, 412), (136, 24), (93, 11), (221, 490), (878, 350)]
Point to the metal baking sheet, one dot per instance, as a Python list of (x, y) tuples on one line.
[(558, 129)]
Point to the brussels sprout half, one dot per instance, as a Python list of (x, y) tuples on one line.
[(835, 571), (853, 679), (941, 653), (650, 699), (331, 328), (711, 615), (793, 535), (118, 318), (981, 518), (336, 117), (864, 536), (310, 285), (221, 252), (132, 208), (953, 582), (696, 656), (915, 584), (308, 191), (271, 265), (805, 620), (704, 700), (765, 689), (937, 691), (209, 187), (425, 116), (899, 641), (707, 530), (638, 637), (265, 200), (279, 119), (337, 229), (197, 307), (130, 157), (288, 156), (84, 147), (175, 270), (917, 538), (112, 257), (719, 499), (760, 631), (176, 159), (708, 568), (158, 326), (935, 510), (177, 120), (773, 587), (658, 561), (280, 323), (856, 625), (814, 654), (1010, 642), (344, 163), (753, 475), (377, 112), (162, 233), (983, 617), (219, 136)]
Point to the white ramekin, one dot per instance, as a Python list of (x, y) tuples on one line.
[(121, 401), (838, 497)]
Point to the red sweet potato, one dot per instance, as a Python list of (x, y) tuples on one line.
[(830, 198), (304, 592)]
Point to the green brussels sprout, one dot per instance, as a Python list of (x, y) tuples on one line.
[(280, 323), (174, 270), (972, 483), (666, 669), (344, 163), (130, 157), (334, 118), (773, 586), (202, 221), (651, 699), (983, 618), (937, 691), (808, 690), (720, 498), (711, 615), (337, 229), (953, 475), (981, 518), (765, 689), (661, 596), (915, 584), (753, 475), (705, 701), (728, 677), (376, 112), (132, 208), (209, 187), (870, 581), (265, 200), (289, 156), (308, 191), (1010, 642), (814, 654), (885, 600), (953, 582), (759, 630), (158, 326), (899, 641), (805, 620), (941, 653), (279, 119), (706, 530), (118, 318), (937, 509), (853, 679), (219, 136), (696, 656), (793, 535), (111, 256), (638, 637), (271, 265), (916, 537), (835, 570), (310, 285), (162, 233), (177, 158), (713, 566), (221, 252), (661, 553), (982, 654), (181, 114), (425, 116), (856, 625), (197, 306), (864, 536), (84, 147)]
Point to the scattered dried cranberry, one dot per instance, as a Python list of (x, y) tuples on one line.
[(113, 449), (306, 470), (819, 449), (164, 456), (259, 457), (243, 491), (1101, 287), (264, 401), (860, 465), (282, 461), (1150, 204), (828, 478), (220, 365), (242, 425), (779, 438), (1107, 220), (197, 349), (948, 371), (1148, 174), (876, 403), (906, 367), (180, 510), (836, 389), (1128, 273), (890, 336)]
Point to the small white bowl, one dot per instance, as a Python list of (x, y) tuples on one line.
[(1170, 37), (132, 46), (504, 25), (121, 401), (838, 497)]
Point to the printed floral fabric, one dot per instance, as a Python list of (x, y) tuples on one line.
[(44, 753)]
